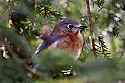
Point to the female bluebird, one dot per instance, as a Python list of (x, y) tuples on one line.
[(66, 36)]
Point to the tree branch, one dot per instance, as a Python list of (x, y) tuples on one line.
[(90, 25)]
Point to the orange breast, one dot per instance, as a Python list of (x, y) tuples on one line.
[(72, 43)]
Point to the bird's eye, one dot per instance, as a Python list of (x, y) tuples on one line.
[(70, 26)]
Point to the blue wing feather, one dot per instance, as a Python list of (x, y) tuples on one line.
[(49, 40)]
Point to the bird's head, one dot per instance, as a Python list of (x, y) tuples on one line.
[(67, 25)]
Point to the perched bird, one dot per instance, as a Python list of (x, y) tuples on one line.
[(66, 36)]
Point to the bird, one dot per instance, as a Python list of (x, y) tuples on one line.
[(66, 36)]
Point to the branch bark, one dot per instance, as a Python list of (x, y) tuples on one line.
[(90, 25)]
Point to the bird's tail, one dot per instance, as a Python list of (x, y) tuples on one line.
[(38, 49)]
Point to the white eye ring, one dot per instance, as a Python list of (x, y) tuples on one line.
[(70, 26)]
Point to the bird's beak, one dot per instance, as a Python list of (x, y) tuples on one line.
[(81, 27), (78, 25)]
